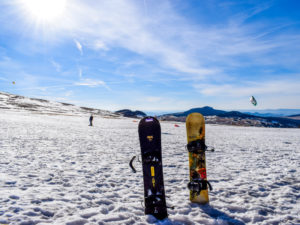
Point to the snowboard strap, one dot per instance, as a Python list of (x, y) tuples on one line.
[(198, 185), (130, 164), (198, 146)]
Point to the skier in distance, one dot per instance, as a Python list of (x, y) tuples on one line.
[(91, 120)]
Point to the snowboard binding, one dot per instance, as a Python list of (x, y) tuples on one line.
[(154, 200), (151, 159), (198, 185), (154, 205), (198, 147)]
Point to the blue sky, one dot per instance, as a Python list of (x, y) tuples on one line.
[(152, 55)]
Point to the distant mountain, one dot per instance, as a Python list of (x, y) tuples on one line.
[(294, 117), (205, 111), (237, 118), (272, 112), (129, 113), (237, 114), (262, 121), (297, 115), (264, 114)]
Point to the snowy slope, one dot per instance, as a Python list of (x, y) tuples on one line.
[(54, 169), (21, 103)]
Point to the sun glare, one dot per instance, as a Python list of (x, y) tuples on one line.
[(44, 11)]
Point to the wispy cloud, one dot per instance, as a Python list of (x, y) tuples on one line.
[(3, 78), (78, 46), (171, 40), (69, 93), (122, 24), (271, 87), (157, 31), (99, 45), (56, 65), (91, 83), (153, 99)]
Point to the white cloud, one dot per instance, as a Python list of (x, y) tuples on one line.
[(78, 46), (56, 65), (99, 45), (91, 83), (124, 24), (153, 99), (272, 87), (69, 93), (163, 35), (3, 78)]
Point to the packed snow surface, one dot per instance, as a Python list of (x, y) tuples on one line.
[(55, 169)]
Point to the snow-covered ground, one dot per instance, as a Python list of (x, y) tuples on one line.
[(54, 169)]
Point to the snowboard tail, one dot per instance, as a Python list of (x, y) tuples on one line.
[(198, 185), (150, 143)]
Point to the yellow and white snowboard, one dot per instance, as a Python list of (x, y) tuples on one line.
[(198, 185)]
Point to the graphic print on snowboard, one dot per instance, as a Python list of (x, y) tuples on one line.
[(150, 142), (198, 185)]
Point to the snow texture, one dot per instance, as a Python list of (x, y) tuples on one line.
[(55, 169)]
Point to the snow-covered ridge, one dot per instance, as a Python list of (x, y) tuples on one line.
[(21, 103)]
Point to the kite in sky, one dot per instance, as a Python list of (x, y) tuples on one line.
[(253, 101)]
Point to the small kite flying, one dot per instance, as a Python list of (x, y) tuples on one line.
[(253, 101)]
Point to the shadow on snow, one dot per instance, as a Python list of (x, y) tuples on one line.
[(209, 210), (219, 215)]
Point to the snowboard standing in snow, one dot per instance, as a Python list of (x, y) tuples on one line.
[(150, 142), (198, 185)]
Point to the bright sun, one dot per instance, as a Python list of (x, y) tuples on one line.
[(43, 11)]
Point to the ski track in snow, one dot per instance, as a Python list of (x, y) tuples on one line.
[(58, 170)]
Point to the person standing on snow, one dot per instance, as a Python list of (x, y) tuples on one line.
[(91, 120)]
